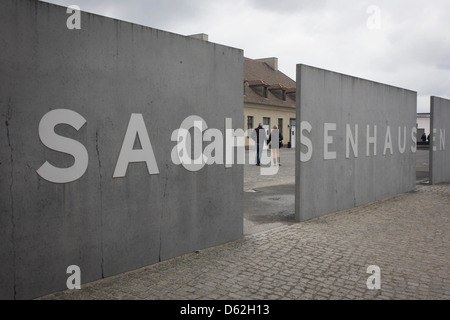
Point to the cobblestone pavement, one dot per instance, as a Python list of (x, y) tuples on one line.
[(285, 174), (406, 236)]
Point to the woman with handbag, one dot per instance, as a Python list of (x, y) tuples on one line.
[(276, 136)]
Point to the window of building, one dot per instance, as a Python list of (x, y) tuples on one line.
[(291, 93), (250, 122), (265, 92), (266, 122), (280, 94), (261, 91)]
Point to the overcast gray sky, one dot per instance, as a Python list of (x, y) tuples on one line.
[(401, 43)]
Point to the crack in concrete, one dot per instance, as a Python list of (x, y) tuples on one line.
[(101, 202), (162, 212), (11, 193)]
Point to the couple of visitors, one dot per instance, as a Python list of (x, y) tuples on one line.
[(260, 137)]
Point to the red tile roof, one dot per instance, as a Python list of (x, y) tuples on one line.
[(258, 74)]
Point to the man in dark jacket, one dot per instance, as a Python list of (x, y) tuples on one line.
[(261, 138)]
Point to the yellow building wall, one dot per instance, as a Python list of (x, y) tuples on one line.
[(274, 113)]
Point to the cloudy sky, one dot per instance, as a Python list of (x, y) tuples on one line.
[(400, 43)]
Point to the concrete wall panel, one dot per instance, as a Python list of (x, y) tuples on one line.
[(332, 105), (439, 140), (106, 71)]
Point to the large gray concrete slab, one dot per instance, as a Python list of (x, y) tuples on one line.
[(106, 71), (6, 211), (439, 137), (340, 165)]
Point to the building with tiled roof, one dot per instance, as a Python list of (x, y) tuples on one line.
[(269, 97)]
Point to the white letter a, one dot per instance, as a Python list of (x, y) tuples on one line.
[(74, 281), (127, 154), (374, 281), (74, 21)]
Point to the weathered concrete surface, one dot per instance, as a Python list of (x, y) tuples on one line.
[(105, 72), (439, 140), (343, 165)]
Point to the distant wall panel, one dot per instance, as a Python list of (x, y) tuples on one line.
[(356, 141), (440, 140)]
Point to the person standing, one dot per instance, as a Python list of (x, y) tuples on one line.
[(424, 137), (260, 139), (276, 136)]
